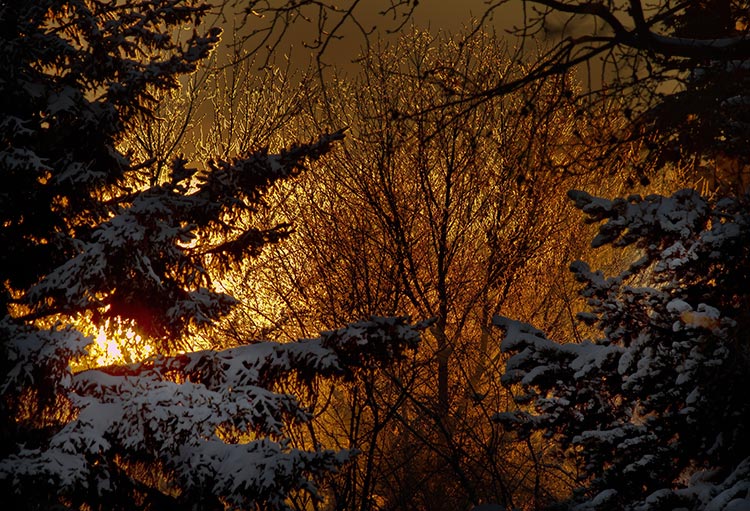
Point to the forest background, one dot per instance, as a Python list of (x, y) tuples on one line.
[(183, 204)]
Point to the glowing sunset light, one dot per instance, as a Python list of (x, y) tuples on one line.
[(110, 352), (118, 344)]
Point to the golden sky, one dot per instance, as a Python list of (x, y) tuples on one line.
[(437, 15)]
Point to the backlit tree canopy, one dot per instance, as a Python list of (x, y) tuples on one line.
[(679, 67), (430, 184)]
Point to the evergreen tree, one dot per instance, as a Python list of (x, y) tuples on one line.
[(654, 409), (87, 238)]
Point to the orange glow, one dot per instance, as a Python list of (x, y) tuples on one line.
[(110, 352), (117, 344)]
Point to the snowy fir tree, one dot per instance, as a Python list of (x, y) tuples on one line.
[(656, 409), (87, 237), (653, 410)]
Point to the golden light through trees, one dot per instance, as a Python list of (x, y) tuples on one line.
[(455, 213), (114, 342), (105, 351), (434, 211), (239, 280), (114, 346)]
